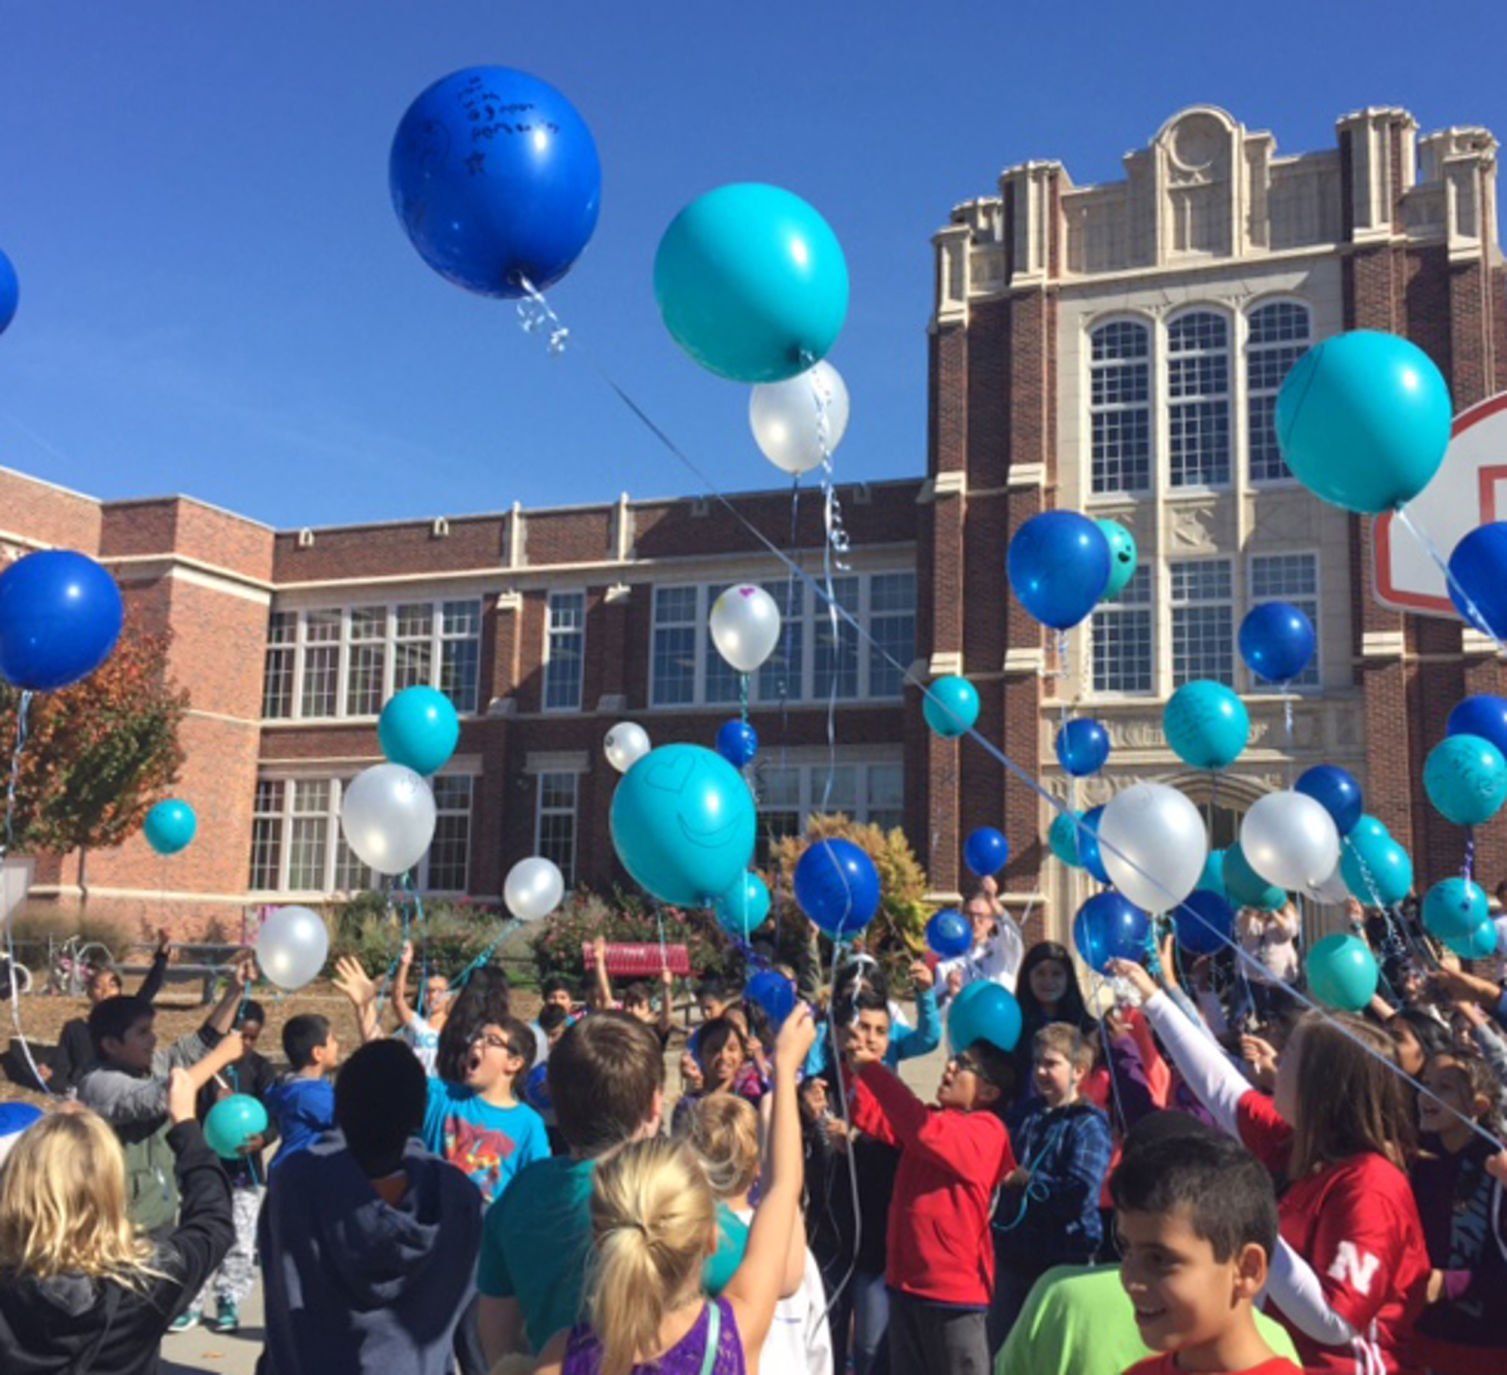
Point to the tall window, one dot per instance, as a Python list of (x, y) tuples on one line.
[(267, 834), (1120, 407), (368, 661), (892, 624), (565, 655), (555, 822), (282, 650), (1203, 621), (450, 851), (321, 664), (1292, 578), (1198, 394), (780, 675), (863, 790), (674, 655), (1279, 335), (414, 632), (460, 652), (1123, 644), (836, 645), (309, 840)]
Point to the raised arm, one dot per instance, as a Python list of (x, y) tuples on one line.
[(151, 986), (599, 971), (243, 971), (926, 1035), (666, 1003), (352, 980), (400, 987)]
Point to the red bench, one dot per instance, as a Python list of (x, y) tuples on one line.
[(639, 959)]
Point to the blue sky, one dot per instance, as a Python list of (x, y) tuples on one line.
[(217, 298)]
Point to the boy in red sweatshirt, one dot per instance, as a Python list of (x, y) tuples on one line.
[(940, 1269)]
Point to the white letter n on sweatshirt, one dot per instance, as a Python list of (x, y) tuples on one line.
[(1355, 1266)]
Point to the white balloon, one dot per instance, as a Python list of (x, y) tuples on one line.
[(533, 889), (1163, 840), (387, 816), (292, 946), (1333, 889), (1290, 840), (788, 418), (626, 743), (745, 624)]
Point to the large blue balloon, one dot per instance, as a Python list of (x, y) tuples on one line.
[(1110, 927), (60, 616), (1478, 581), (1483, 715), (1246, 888), (837, 886), (949, 934), (1088, 844), (1336, 791), (772, 991), (1454, 907), (1206, 725), (1466, 779), (984, 1011), (950, 706), (1062, 838), (1059, 566), (10, 292), (1363, 420), (986, 851), (1342, 972), (1082, 747), (495, 178), (1204, 922), (738, 743), (1276, 641), (170, 826), (752, 283), (418, 728), (744, 908), (683, 824), (1378, 873)]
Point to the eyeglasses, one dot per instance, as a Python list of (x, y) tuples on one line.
[(494, 1043), (966, 1065)]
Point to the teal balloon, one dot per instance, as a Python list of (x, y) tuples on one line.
[(752, 283), (1062, 838), (1377, 873), (683, 824), (1212, 878), (419, 729), (951, 706), (1363, 420), (1454, 908), (1369, 830), (1206, 725), (743, 909), (1479, 943), (1342, 972), (170, 826), (984, 1011), (232, 1122), (1122, 557), (1245, 887), (1465, 777)]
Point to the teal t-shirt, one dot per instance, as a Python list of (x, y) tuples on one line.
[(732, 1242), (487, 1143)]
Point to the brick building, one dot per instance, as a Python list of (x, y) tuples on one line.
[(1113, 348)]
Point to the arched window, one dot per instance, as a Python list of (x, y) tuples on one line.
[(1120, 407), (1198, 399), (1280, 334)]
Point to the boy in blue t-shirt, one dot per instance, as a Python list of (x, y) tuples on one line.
[(303, 1104)]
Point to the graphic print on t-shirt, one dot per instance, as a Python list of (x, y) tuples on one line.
[(478, 1151)]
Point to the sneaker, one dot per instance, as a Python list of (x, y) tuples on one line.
[(183, 1321), (227, 1316)]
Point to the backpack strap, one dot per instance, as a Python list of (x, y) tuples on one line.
[(713, 1336)]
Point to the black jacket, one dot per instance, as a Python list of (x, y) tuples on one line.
[(72, 1323)]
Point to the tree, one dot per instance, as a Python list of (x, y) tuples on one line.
[(97, 754)]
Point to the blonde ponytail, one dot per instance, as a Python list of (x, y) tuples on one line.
[(655, 1223), (722, 1131)]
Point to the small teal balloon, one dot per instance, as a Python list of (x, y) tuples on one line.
[(951, 706), (1245, 887), (1122, 557), (1369, 830), (984, 1011), (1342, 972), (1088, 844), (170, 826), (1212, 879), (419, 729), (1363, 420), (744, 908), (1062, 838), (752, 283), (10, 292), (683, 824), (1206, 725), (1466, 779), (1479, 943), (1453, 908), (1378, 874), (232, 1122)]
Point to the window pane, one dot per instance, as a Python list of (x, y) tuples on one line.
[(1202, 621), (322, 627), (1279, 336), (277, 686), (886, 806), (1120, 408), (1198, 384), (309, 834), (556, 822), (836, 659), (351, 875), (564, 664), (321, 679), (674, 660), (363, 683), (1123, 659), (1291, 578), (458, 670), (267, 835), (449, 853), (892, 625), (779, 676)]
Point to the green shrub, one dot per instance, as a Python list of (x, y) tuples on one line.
[(36, 923), (448, 938)]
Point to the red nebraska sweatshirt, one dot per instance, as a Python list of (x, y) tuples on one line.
[(941, 1247)]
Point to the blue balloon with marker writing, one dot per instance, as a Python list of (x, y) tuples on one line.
[(837, 886), (738, 743), (949, 934)]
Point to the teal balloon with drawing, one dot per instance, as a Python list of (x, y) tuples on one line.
[(1123, 557), (1206, 725)]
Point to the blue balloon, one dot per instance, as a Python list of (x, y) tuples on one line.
[(1454, 908), (949, 934), (1204, 922), (1377, 873), (1082, 747), (1110, 927), (950, 705), (536, 1089), (744, 908), (1059, 566), (1363, 420), (1062, 838), (1088, 844), (984, 1011), (738, 743), (772, 991), (1478, 578), (1246, 888), (1483, 715), (419, 728), (1206, 725), (837, 886), (1342, 972), (60, 616), (10, 292), (495, 178), (1466, 779), (986, 851), (752, 283), (683, 824), (1276, 641), (170, 826), (1336, 791)]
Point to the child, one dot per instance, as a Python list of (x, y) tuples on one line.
[(861, 982), (952, 1159), (653, 1221), (80, 1287), (1047, 990), (1197, 1218), (368, 1242), (421, 1031), (303, 1104), (638, 997), (724, 1065), (1049, 1212), (997, 947)]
